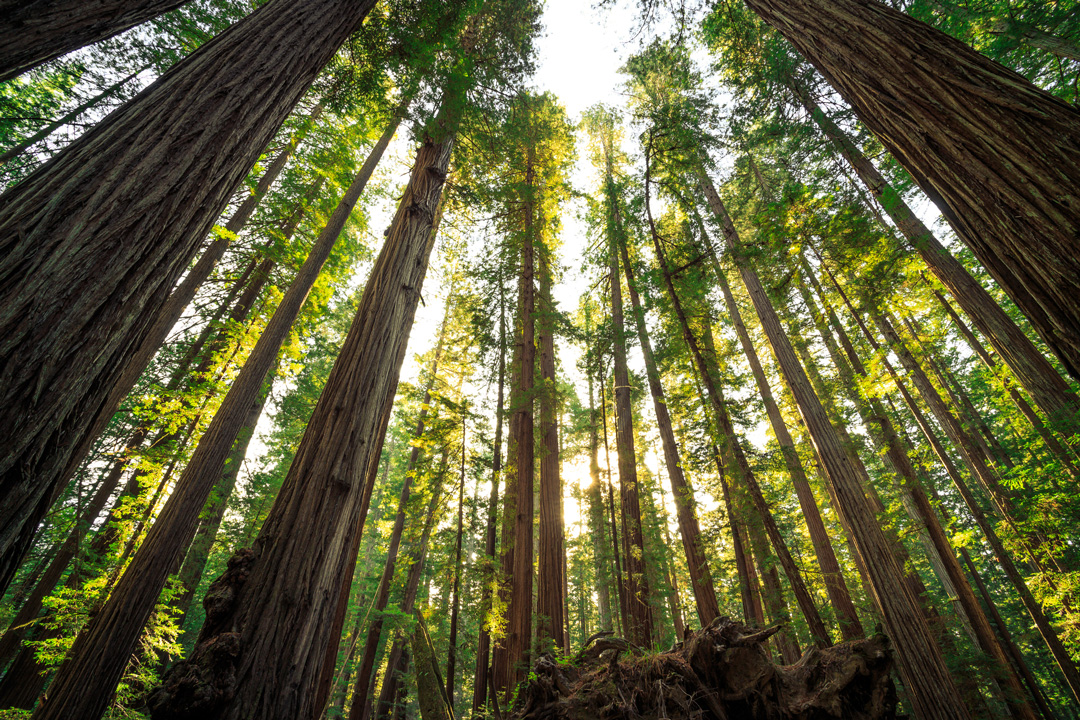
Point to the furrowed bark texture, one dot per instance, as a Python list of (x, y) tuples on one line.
[(309, 541), (519, 631), (685, 504), (361, 705), (35, 32), (1046, 630), (179, 299), (930, 688), (100, 233), (1000, 157), (1033, 370), (102, 649)]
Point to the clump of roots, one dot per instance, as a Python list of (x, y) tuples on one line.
[(721, 672)]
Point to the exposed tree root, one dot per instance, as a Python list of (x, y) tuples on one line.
[(719, 673)]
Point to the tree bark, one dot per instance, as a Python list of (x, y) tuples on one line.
[(361, 706), (100, 233), (1053, 445), (1029, 366), (930, 688), (998, 156), (595, 493), (639, 629), (881, 429), (100, 650), (519, 629), (35, 32), (451, 649)]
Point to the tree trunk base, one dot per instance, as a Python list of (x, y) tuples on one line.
[(720, 672)]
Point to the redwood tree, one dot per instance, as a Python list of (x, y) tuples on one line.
[(999, 157), (94, 240)]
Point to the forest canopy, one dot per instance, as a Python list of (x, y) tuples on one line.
[(353, 366)]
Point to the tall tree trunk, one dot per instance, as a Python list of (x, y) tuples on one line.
[(102, 648), (752, 613), (880, 427), (1000, 157), (181, 296), (1049, 634), (551, 581), (198, 553), (1035, 691), (595, 493), (685, 504), (99, 234), (451, 649), (415, 561), (846, 615), (483, 648), (639, 629), (361, 705), (613, 527), (20, 147), (35, 32), (926, 678), (519, 629)]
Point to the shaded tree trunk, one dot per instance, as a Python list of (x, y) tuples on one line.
[(846, 615), (999, 157), (35, 32), (930, 688), (595, 494), (881, 429), (451, 650), (1053, 445), (329, 479), (361, 705), (97, 237), (519, 628), (1049, 635), (639, 628)]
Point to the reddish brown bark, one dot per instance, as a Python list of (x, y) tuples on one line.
[(881, 429), (100, 233), (1049, 634), (639, 619), (929, 685), (999, 157), (519, 630), (100, 651)]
